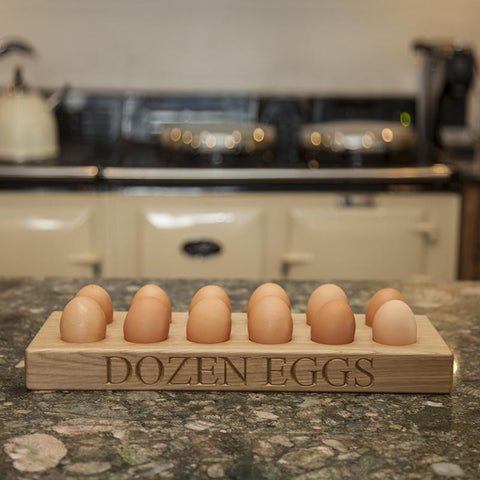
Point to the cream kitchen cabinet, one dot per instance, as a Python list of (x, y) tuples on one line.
[(285, 235), (50, 233), (173, 233), (382, 236), (187, 236)]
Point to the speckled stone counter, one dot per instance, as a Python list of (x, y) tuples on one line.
[(149, 434)]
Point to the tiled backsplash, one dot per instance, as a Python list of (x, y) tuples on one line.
[(325, 47)]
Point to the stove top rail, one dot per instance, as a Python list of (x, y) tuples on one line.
[(56, 172), (433, 172)]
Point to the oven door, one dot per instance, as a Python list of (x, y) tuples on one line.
[(374, 237), (185, 237)]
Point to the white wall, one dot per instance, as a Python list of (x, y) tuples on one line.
[(285, 46)]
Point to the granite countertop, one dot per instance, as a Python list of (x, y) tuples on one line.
[(150, 434)]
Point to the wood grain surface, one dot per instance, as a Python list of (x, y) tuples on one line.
[(239, 364)]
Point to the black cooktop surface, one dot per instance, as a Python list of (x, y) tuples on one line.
[(72, 155), (138, 155), (149, 155), (125, 154)]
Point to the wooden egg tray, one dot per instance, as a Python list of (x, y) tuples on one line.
[(238, 364)]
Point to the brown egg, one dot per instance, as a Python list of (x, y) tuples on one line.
[(378, 299), (151, 290), (322, 295), (394, 324), (83, 321), (333, 323), (147, 321), (210, 291), (270, 321), (268, 289), (209, 321), (100, 295)]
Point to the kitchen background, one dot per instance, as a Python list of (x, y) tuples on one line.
[(280, 62), (275, 46)]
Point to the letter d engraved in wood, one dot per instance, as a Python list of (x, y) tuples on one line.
[(123, 370)]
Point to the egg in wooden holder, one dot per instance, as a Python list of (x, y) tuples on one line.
[(394, 324), (378, 299), (82, 321), (151, 290), (147, 321), (210, 291), (322, 295), (333, 324), (267, 289), (270, 321), (101, 296), (209, 321)]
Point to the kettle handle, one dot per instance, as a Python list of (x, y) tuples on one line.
[(18, 46)]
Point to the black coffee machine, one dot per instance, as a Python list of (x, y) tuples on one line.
[(447, 74)]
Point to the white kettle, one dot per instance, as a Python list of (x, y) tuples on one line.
[(28, 127)]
